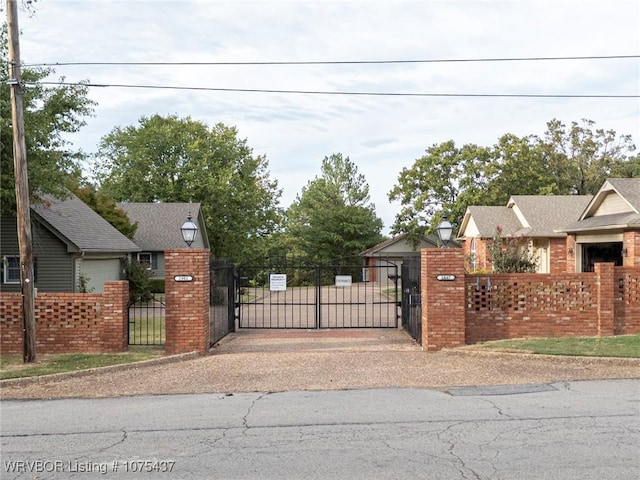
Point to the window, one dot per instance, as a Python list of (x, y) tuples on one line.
[(148, 259), (11, 269), (472, 255)]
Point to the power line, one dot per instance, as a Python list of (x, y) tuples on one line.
[(339, 62), (322, 92)]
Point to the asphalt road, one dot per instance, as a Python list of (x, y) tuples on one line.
[(572, 430)]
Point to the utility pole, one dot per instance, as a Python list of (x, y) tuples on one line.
[(23, 212)]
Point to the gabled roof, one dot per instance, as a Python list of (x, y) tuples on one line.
[(487, 218), (380, 247), (81, 228), (624, 195), (538, 216), (544, 214), (159, 224)]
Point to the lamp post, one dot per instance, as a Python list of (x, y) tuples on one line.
[(189, 231), (445, 229)]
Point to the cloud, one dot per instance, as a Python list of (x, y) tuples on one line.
[(380, 134)]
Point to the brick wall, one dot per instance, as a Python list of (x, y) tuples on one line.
[(69, 322), (558, 255), (187, 302), (501, 306), (626, 300)]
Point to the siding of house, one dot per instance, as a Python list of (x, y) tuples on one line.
[(98, 271), (55, 266)]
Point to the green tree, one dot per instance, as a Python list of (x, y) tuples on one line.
[(332, 217), (50, 114), (445, 179), (581, 157), (565, 161), (106, 207), (171, 159)]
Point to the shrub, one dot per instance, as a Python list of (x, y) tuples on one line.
[(139, 278), (508, 255), (156, 285)]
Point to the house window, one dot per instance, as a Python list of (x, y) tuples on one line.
[(472, 254), (149, 260), (11, 270)]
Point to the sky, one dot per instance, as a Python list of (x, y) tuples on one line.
[(380, 134)]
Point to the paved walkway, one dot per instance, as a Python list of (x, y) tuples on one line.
[(294, 360)]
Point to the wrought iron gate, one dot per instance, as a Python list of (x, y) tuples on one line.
[(344, 294), (412, 298), (221, 299), (146, 320)]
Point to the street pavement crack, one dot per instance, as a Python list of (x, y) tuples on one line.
[(245, 422), (465, 471)]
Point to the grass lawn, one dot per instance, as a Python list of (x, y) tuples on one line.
[(11, 366), (620, 346), (147, 330)]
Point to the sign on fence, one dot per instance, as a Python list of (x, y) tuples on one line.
[(278, 282), (343, 280)]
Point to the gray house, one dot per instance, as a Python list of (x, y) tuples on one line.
[(159, 229), (386, 257), (73, 247)]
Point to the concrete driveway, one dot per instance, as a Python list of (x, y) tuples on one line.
[(296, 360)]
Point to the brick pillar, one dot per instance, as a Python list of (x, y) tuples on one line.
[(443, 298), (115, 302), (631, 242), (187, 300), (605, 285)]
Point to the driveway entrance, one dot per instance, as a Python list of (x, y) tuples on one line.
[(285, 296)]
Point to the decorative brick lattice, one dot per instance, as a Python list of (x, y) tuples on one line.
[(627, 300), (521, 293), (627, 286), (69, 322)]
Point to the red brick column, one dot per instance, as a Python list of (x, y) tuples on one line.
[(115, 302), (187, 296), (606, 307), (443, 298), (631, 242)]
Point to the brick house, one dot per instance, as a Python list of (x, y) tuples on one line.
[(608, 230), (566, 233), (536, 219)]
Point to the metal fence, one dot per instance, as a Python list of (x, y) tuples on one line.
[(337, 295), (147, 321), (412, 298)]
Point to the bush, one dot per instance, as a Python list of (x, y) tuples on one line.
[(508, 255), (156, 285), (139, 278)]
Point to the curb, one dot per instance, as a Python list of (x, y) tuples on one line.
[(463, 351), (10, 382)]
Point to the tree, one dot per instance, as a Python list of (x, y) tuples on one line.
[(581, 157), (171, 159), (565, 161), (446, 179), (49, 115), (332, 217), (106, 207)]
